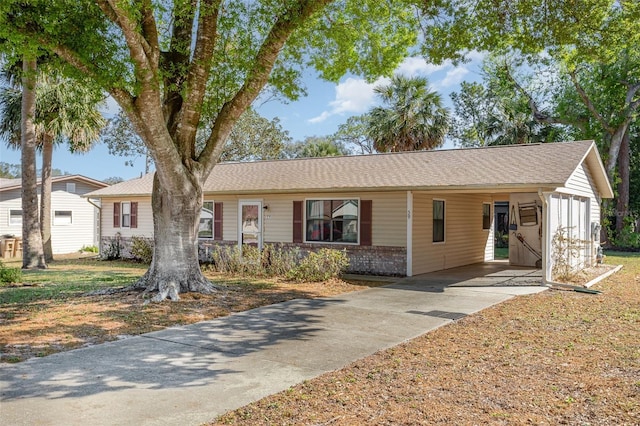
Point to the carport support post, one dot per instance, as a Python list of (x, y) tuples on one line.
[(546, 232), (409, 233)]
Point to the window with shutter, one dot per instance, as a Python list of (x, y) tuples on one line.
[(438, 221), (116, 215), (217, 221), (332, 221), (297, 221), (366, 222), (134, 215)]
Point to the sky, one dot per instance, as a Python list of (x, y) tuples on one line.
[(326, 106)]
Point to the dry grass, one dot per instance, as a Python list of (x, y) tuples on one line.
[(558, 357)]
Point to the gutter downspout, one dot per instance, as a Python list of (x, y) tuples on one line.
[(99, 207)]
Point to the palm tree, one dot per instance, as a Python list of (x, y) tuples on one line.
[(66, 110), (320, 147), (33, 256), (412, 119)]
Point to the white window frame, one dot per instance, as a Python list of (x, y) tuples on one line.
[(260, 204), (122, 214), (213, 217), (71, 187), (62, 223), (12, 218), (444, 221), (337, 198)]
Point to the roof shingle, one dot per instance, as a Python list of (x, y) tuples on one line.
[(512, 166)]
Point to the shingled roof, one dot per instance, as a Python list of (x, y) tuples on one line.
[(501, 168), (10, 184)]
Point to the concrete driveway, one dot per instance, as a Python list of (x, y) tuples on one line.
[(497, 273), (191, 374)]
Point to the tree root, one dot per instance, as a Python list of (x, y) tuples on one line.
[(171, 287), (109, 291)]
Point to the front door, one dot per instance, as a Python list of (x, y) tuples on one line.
[(250, 219)]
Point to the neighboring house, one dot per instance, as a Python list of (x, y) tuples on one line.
[(74, 220), (397, 214)]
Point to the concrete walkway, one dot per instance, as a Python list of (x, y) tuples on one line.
[(189, 375)]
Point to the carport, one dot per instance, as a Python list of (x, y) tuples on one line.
[(553, 191), (497, 273)]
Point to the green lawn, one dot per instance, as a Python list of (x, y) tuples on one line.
[(501, 253), (67, 278)]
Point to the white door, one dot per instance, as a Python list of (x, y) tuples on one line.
[(250, 220)]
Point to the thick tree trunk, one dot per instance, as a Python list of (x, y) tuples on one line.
[(622, 203), (175, 267), (32, 252), (45, 197), (614, 149)]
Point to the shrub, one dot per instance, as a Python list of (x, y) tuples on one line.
[(274, 260), (320, 265), (112, 249), (142, 249), (628, 237), (89, 249), (9, 275), (278, 261), (227, 259)]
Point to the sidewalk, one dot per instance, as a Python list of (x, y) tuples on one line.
[(191, 374)]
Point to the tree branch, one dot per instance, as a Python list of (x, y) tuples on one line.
[(150, 33), (590, 106), (631, 93), (141, 52), (197, 77), (539, 115), (257, 77), (124, 98), (177, 58)]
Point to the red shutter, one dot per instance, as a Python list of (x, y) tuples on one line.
[(297, 221), (116, 215), (217, 221), (366, 215), (134, 215)]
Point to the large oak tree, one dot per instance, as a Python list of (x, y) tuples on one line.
[(181, 67), (575, 33)]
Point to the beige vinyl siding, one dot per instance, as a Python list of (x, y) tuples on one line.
[(389, 215), (465, 240), (389, 225), (229, 215), (277, 219), (145, 218)]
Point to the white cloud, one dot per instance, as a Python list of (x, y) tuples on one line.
[(356, 96), (418, 66), (454, 76), (320, 118), (475, 56), (353, 96)]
